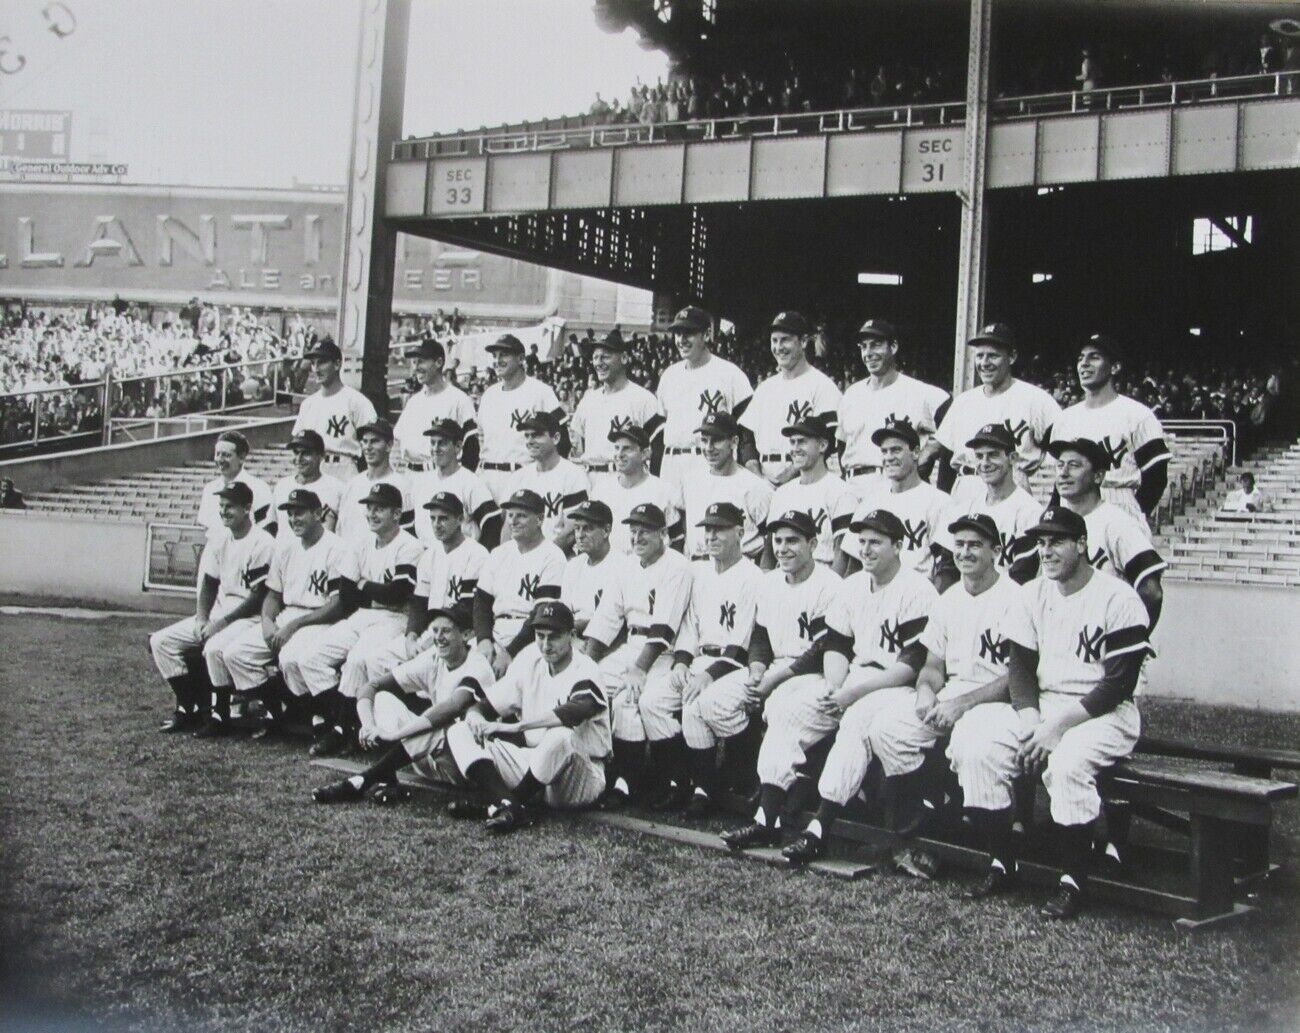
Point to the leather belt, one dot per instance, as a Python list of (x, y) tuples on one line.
[(675, 450), (600, 468), (500, 466), (773, 457), (858, 471)]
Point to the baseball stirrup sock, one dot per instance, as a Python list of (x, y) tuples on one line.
[(221, 704), (826, 815), (183, 689), (1075, 845), (704, 769), (994, 829), (385, 769), (628, 763), (908, 806), (483, 773), (771, 801)]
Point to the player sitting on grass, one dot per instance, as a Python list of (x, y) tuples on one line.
[(554, 697), (406, 714)]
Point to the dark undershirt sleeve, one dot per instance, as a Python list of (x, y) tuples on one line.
[(484, 619), (1117, 684), (1022, 674), (760, 646)]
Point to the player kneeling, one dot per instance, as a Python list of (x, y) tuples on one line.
[(559, 739), (406, 713), (1078, 638)]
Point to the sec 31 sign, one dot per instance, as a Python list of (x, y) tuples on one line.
[(932, 160)]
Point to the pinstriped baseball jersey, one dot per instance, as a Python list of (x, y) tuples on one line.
[(829, 501), (499, 414), (326, 488), (336, 418), (308, 577), (921, 508), (352, 525), (794, 615), (965, 631), (421, 409), (1075, 634), (601, 411), (621, 501), (1128, 431), (531, 690), (516, 580), (688, 395), (238, 565), (562, 487), (780, 401), (1119, 545), (651, 602), (585, 585), (1012, 516), (742, 488), (882, 621), (429, 676), (466, 485), (447, 578), (723, 607), (396, 561), (863, 411), (1027, 411)]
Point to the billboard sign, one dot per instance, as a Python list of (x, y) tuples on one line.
[(35, 135)]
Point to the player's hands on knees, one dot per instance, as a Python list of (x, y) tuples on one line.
[(695, 684), (942, 716), (500, 661), (925, 701), (634, 681), (476, 723), (369, 736), (680, 677)]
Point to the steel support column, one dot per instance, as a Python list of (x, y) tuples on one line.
[(369, 243), (974, 235)]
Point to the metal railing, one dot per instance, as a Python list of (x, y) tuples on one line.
[(1219, 431), (585, 131)]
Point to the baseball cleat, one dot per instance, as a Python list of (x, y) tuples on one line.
[(700, 806), (804, 849), (467, 810), (673, 800), (327, 743), (264, 730), (916, 863), (996, 881), (615, 797), (180, 721), (749, 836), (342, 791), (212, 729), (1065, 903), (509, 817), (386, 793)]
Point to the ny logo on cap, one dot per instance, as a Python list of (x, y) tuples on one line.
[(727, 616), (319, 581), (891, 636), (711, 402), (337, 426), (994, 648), (798, 412), (529, 584), (1089, 648)]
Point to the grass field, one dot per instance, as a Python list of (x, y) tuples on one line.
[(150, 883)]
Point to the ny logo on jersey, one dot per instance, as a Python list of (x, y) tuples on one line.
[(600, 592), (915, 534), (1089, 648), (1115, 452), (1004, 549), (1017, 429), (727, 616), (650, 604), (797, 411), (617, 423), (818, 518), (337, 426), (1098, 560), (247, 576), (891, 636), (711, 402), (518, 416), (319, 581), (528, 586), (805, 626), (455, 587), (994, 648), (554, 504)]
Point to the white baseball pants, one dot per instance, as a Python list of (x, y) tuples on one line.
[(625, 706), (170, 644), (429, 752), (795, 723), (319, 662), (246, 660), (718, 712), (851, 753), (572, 779)]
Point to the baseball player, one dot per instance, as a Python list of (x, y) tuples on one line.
[(557, 699), (1078, 638), (1134, 441), (334, 410), (721, 479), (957, 663), (446, 576), (1012, 509), (1027, 412), (229, 454), (504, 406), (559, 483), (376, 446), (438, 400), (311, 585), (405, 714), (1117, 542), (632, 485), (308, 451), (595, 568), (649, 605), (793, 603), (232, 582), (616, 403), (794, 392), (443, 473), (714, 642), (325, 664), (887, 395), (518, 573), (816, 491), (918, 504), (700, 385)]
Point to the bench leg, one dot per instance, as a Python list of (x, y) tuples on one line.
[(1213, 850)]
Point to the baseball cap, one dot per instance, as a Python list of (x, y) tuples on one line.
[(647, 514), (306, 441), (882, 521), (507, 343), (459, 614), (995, 434), (446, 502), (881, 328), (792, 323), (1059, 520), (1106, 344), (301, 498), (722, 514), (384, 495), (901, 429), (237, 492), (809, 427), (796, 521), (995, 333), (325, 348), (981, 523), (593, 512), (380, 428), (527, 500), (430, 349), (1093, 451), (549, 615), (445, 428), (612, 341), (691, 320), (542, 422), (630, 432), (719, 425)]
